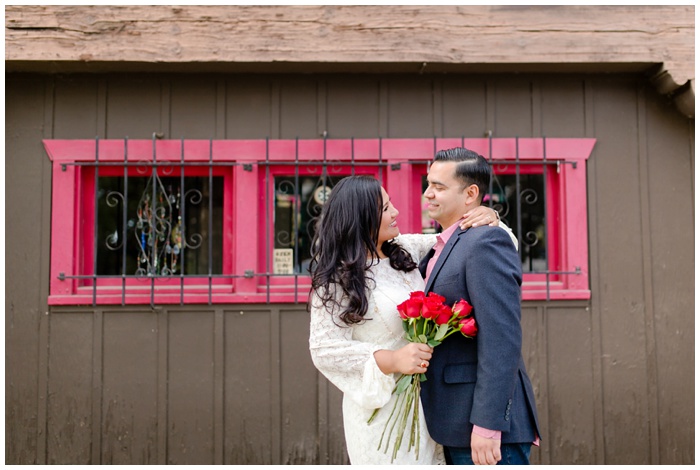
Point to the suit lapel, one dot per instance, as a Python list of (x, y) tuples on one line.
[(443, 257)]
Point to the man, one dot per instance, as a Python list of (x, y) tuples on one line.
[(478, 401)]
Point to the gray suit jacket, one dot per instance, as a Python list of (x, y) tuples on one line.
[(480, 381)]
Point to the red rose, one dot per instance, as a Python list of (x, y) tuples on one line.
[(410, 308), (419, 295), (432, 306), (462, 308), (468, 326), (402, 309), (437, 298), (444, 316)]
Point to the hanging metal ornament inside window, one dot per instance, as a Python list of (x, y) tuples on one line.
[(158, 228)]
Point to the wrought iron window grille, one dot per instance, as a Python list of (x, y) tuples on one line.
[(162, 237)]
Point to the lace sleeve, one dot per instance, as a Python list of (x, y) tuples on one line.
[(417, 244), (508, 230), (349, 364)]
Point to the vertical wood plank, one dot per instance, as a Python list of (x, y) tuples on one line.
[(44, 269), (249, 109), (161, 320), (410, 111), (490, 105), (135, 366), (70, 400), (670, 159), (323, 431), (219, 386), (42, 405), (165, 105), (250, 422), (596, 301), (191, 392), (623, 333), (276, 386), (563, 108), (464, 106), (26, 321), (97, 386), (220, 105), (536, 99), (298, 109), (322, 110), (645, 232), (134, 106), (437, 112), (570, 388), (76, 108), (193, 108), (513, 107), (337, 453), (353, 107), (533, 325), (275, 110), (101, 111), (297, 382), (383, 108)]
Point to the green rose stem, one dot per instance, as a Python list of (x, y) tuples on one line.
[(403, 399), (415, 431), (409, 405), (407, 387)]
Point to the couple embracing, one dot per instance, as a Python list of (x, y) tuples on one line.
[(477, 402)]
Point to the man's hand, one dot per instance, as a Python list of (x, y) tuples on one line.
[(485, 451)]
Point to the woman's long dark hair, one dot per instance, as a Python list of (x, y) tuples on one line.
[(346, 236)]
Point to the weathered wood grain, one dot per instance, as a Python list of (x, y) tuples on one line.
[(434, 35)]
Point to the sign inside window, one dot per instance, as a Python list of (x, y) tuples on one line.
[(283, 261)]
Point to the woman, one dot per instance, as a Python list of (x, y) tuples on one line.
[(362, 268)]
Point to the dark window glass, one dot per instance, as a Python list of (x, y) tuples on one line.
[(533, 246), (298, 204), (168, 237)]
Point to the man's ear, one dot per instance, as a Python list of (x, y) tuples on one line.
[(472, 194)]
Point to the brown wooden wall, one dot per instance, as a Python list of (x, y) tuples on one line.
[(235, 384)]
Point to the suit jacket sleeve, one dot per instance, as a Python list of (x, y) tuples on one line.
[(493, 275)]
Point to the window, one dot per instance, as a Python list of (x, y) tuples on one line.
[(165, 228), (138, 222)]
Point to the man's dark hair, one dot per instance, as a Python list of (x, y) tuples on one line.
[(471, 167)]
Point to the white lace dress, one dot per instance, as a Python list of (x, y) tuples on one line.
[(345, 356)]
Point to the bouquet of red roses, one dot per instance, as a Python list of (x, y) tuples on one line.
[(426, 319)]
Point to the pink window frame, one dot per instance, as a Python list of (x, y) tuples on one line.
[(246, 166)]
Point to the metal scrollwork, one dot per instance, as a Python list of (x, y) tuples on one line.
[(500, 206), (157, 227), (194, 240), (315, 203), (530, 239), (113, 199), (153, 229), (286, 191), (529, 196)]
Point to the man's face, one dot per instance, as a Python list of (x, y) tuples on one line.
[(447, 201)]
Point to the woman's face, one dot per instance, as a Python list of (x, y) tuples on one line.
[(388, 228)]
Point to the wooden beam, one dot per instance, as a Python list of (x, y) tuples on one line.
[(420, 38)]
